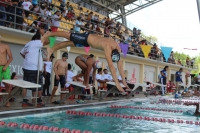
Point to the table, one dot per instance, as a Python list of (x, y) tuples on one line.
[(19, 84)]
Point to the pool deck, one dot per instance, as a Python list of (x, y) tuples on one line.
[(16, 108)]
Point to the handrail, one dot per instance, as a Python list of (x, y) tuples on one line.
[(134, 52)]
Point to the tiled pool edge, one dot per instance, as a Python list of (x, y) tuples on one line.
[(15, 113)]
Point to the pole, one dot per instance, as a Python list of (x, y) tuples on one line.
[(38, 72), (198, 8)]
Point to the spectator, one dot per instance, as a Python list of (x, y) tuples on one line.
[(36, 9), (118, 26), (188, 61), (107, 76), (154, 52), (55, 21), (92, 29), (34, 3), (78, 25), (98, 30), (171, 58), (100, 81), (27, 6), (2, 14), (107, 31), (192, 62), (179, 62), (86, 14), (47, 75), (134, 32), (19, 18), (69, 76), (69, 15), (103, 21), (87, 26), (36, 25), (90, 16), (12, 9)]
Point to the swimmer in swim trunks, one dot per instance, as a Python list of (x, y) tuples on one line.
[(86, 63), (109, 46), (196, 113), (60, 69), (4, 65)]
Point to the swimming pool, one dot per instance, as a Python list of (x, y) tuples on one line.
[(113, 124)]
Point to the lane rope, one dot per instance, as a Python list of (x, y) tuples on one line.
[(147, 108), (163, 120)]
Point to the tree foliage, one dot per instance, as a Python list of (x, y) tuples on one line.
[(183, 57), (150, 38)]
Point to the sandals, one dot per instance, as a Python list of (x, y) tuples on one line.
[(26, 104), (56, 102), (40, 105)]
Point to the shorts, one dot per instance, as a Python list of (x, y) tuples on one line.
[(80, 39), (31, 76), (5, 74), (61, 80), (54, 29)]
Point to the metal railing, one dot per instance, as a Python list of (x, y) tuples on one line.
[(133, 50)]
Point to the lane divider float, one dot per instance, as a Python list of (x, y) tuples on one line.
[(164, 120), (147, 108), (40, 128)]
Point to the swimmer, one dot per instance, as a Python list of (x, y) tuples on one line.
[(86, 63), (186, 93), (4, 65), (109, 46), (196, 113)]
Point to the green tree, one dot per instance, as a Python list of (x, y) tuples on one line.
[(150, 38), (181, 56)]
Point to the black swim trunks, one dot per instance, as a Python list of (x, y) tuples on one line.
[(61, 80), (80, 39)]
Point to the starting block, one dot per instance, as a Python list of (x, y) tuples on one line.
[(19, 85), (157, 86), (78, 87), (112, 90), (137, 85)]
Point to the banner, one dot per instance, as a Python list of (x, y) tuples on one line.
[(166, 51), (124, 48), (146, 50), (87, 49), (52, 41)]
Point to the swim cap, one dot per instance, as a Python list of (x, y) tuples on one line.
[(65, 54), (115, 56), (98, 64)]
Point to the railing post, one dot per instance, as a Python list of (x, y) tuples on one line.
[(15, 17)]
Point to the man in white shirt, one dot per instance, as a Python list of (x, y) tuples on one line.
[(69, 75), (31, 53), (27, 5), (47, 75), (55, 21), (107, 76), (100, 79)]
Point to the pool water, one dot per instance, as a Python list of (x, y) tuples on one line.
[(110, 124)]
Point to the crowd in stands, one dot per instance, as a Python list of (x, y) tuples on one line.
[(32, 15)]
